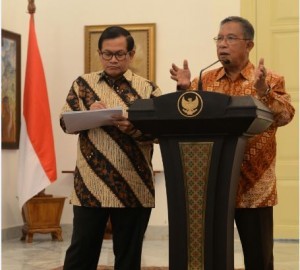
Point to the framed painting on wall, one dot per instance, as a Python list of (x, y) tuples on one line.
[(143, 63), (10, 89)]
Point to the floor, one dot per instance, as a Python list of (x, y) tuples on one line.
[(43, 253)]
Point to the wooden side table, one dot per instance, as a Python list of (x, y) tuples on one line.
[(42, 214)]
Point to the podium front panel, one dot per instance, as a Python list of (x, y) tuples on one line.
[(195, 160)]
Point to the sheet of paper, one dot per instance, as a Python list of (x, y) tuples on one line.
[(83, 120)]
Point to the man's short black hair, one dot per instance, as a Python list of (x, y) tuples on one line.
[(115, 32)]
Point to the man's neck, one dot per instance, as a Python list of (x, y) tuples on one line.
[(233, 71)]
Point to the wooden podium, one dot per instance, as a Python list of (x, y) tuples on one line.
[(42, 214), (202, 136)]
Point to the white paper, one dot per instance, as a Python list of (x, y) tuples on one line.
[(83, 120)]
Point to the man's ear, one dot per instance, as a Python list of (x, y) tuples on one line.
[(132, 53), (250, 45)]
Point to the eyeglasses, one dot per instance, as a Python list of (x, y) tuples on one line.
[(120, 55), (228, 39)]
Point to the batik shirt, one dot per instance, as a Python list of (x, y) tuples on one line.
[(257, 185), (113, 169)]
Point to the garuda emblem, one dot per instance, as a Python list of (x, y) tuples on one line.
[(190, 104)]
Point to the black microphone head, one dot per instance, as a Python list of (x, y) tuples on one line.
[(226, 61)]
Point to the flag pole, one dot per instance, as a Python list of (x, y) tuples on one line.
[(31, 7), (31, 10), (41, 213)]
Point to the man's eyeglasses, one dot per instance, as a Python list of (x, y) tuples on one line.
[(228, 39), (120, 55)]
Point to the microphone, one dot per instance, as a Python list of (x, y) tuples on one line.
[(200, 75)]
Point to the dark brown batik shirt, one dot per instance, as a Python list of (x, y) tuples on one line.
[(113, 169)]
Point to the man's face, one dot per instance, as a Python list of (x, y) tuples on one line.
[(119, 62), (231, 46)]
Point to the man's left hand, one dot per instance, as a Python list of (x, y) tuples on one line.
[(122, 123), (260, 83)]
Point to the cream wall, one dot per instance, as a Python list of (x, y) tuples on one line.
[(278, 36), (184, 29)]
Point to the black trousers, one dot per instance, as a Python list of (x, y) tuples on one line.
[(255, 227), (128, 226)]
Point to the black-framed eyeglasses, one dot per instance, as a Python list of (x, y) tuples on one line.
[(228, 39), (119, 55)]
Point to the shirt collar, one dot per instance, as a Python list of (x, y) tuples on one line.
[(246, 72), (127, 75)]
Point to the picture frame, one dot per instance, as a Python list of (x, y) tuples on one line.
[(143, 63), (10, 89)]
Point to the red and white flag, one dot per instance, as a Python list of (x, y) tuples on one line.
[(37, 162)]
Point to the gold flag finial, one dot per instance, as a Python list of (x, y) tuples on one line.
[(31, 6)]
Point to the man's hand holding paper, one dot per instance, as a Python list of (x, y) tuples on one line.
[(123, 124), (82, 120), (120, 121), (98, 105)]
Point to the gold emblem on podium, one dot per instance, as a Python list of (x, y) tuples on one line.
[(190, 104)]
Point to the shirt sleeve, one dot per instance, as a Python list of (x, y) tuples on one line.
[(278, 100), (72, 104)]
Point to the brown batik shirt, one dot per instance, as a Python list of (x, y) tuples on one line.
[(113, 169), (257, 185)]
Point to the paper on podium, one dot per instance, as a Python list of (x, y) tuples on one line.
[(83, 120)]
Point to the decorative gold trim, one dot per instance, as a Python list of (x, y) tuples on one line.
[(196, 159), (190, 104)]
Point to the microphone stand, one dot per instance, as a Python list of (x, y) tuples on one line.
[(200, 75)]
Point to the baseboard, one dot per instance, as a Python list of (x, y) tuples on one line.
[(157, 233), (16, 232), (286, 232), (11, 233), (152, 233)]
